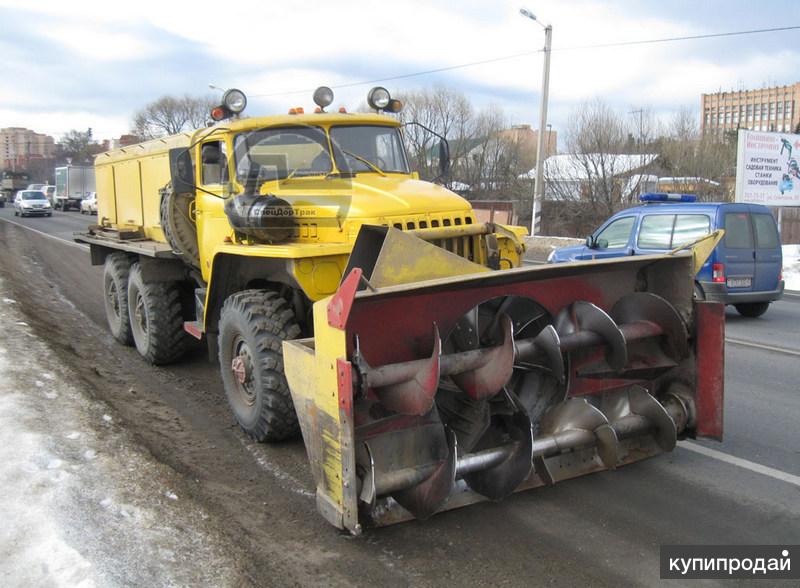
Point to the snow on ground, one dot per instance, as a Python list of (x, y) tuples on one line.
[(791, 267), (81, 504)]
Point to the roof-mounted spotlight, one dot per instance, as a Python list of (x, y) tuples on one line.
[(233, 103), (378, 98), (323, 97), (234, 100)]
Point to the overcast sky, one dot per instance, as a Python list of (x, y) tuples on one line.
[(78, 64)]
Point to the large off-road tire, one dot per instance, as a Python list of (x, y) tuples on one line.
[(115, 296), (177, 225), (156, 316), (752, 309), (252, 328)]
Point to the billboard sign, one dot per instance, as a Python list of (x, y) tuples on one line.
[(767, 169)]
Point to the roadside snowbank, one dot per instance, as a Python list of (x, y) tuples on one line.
[(791, 267), (82, 504)]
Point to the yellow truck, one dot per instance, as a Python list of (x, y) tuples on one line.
[(425, 365)]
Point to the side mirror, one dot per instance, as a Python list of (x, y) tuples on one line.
[(180, 168), (444, 157), (590, 242), (601, 243)]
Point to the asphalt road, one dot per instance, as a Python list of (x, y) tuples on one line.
[(603, 529)]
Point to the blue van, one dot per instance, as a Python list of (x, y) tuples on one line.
[(744, 270)]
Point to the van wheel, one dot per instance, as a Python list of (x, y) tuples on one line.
[(752, 309), (252, 328), (115, 296), (156, 316)]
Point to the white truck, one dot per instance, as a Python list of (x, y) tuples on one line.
[(73, 184)]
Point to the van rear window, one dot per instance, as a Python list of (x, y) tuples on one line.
[(737, 231), (766, 231)]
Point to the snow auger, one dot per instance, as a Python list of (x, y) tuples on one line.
[(432, 383)]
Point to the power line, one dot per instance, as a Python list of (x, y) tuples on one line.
[(528, 53)]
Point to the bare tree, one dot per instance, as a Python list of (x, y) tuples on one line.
[(445, 111), (599, 167), (696, 163), (170, 115)]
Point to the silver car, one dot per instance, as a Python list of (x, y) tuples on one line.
[(89, 204), (32, 202)]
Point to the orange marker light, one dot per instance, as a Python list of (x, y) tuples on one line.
[(342, 110), (292, 111)]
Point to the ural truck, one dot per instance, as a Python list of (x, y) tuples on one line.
[(347, 299), (73, 184)]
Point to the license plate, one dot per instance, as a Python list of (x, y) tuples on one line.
[(740, 282)]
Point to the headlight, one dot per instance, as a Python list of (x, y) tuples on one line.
[(234, 100)]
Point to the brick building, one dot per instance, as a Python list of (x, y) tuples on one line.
[(774, 109)]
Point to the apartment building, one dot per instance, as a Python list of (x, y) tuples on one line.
[(18, 146), (767, 109)]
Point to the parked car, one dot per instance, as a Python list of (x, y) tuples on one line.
[(744, 270), (89, 204), (32, 202)]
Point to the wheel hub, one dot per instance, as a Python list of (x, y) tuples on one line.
[(242, 368), (240, 371)]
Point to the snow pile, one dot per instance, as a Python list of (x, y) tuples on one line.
[(791, 267), (82, 505)]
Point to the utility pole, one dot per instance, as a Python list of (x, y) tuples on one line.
[(538, 195)]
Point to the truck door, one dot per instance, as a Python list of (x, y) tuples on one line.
[(768, 257), (212, 176)]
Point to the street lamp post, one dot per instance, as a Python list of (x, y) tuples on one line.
[(538, 195)]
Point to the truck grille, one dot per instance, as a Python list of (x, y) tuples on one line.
[(468, 246)]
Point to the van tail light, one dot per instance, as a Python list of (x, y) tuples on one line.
[(718, 272)]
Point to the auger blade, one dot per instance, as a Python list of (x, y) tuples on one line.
[(572, 424), (491, 372), (406, 388), (622, 410), (645, 307), (424, 499), (502, 479), (582, 322)]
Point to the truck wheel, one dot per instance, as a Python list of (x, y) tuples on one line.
[(115, 296), (252, 328), (752, 309), (156, 318)]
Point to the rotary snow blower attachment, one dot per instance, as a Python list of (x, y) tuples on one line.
[(432, 383)]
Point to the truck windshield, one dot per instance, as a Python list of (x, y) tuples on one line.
[(381, 146), (277, 153)]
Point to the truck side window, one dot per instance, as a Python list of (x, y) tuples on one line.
[(737, 231), (616, 234), (690, 227), (766, 232), (215, 163)]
